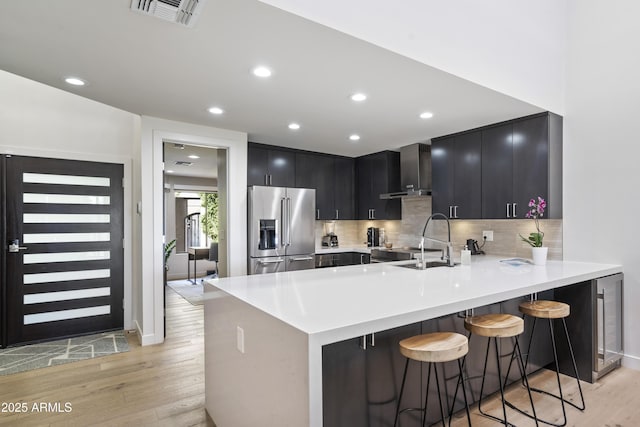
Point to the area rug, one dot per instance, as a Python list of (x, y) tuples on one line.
[(34, 356), (187, 290)]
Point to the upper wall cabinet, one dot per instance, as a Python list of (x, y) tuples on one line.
[(456, 173), (270, 166), (332, 177), (376, 174), (522, 159)]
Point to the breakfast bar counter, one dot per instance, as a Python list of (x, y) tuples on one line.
[(264, 334)]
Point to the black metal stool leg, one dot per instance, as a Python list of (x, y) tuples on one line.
[(484, 374), (526, 381), (404, 377), (435, 369), (460, 381), (426, 396), (575, 368)]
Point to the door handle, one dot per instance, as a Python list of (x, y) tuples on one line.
[(513, 210), (265, 262), (14, 246), (283, 223), (602, 317), (302, 258), (288, 221), (455, 211), (508, 215), (337, 214)]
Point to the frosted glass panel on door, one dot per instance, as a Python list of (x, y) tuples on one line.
[(45, 178), (66, 237), (47, 218), (66, 257), (66, 295), (69, 199), (64, 276), (77, 313)]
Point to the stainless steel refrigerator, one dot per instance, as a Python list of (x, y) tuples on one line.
[(281, 229)]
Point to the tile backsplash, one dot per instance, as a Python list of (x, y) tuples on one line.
[(415, 211)]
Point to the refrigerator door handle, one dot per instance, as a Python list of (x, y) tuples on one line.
[(283, 223), (302, 258), (273, 261), (288, 221)]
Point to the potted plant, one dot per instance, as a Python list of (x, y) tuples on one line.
[(536, 211), (168, 250)]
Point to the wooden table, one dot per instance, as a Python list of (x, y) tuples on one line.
[(195, 253)]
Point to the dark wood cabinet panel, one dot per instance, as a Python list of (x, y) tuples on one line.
[(332, 178), (530, 162), (497, 172), (343, 189), (457, 172), (376, 174), (270, 166)]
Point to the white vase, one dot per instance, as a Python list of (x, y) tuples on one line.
[(539, 255)]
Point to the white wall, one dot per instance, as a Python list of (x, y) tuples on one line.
[(154, 132), (601, 173), (39, 120), (514, 47)]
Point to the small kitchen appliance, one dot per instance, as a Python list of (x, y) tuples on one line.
[(330, 240), (472, 245), (373, 237)]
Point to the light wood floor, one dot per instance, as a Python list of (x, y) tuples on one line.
[(164, 386), (161, 385)]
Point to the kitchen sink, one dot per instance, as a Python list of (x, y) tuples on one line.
[(429, 264)]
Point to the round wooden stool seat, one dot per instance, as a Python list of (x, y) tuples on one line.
[(435, 347), (545, 309), (495, 325)]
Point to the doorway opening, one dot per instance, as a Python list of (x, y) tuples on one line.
[(191, 217)]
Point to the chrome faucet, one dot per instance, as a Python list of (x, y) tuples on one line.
[(447, 253)]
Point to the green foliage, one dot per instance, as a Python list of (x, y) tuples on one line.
[(168, 249), (210, 220), (534, 239)]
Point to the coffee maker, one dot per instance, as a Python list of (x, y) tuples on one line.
[(373, 237), (330, 240)]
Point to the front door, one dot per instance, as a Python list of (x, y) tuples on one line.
[(62, 248)]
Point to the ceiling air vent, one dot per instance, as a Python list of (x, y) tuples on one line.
[(182, 12), (181, 163)]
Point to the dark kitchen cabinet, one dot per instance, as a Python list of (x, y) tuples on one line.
[(456, 175), (332, 177), (361, 379), (267, 165), (522, 159), (376, 174)]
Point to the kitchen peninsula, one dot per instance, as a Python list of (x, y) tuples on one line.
[(265, 334)]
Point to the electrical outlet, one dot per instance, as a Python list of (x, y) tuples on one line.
[(240, 339), (487, 235)]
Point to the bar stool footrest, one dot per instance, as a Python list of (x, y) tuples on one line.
[(537, 390)]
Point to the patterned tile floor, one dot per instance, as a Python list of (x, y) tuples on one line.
[(34, 356)]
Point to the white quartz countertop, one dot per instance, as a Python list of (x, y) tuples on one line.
[(333, 304)]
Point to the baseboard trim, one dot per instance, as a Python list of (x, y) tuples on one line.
[(631, 362), (148, 339)]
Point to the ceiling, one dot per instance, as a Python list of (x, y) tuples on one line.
[(151, 67), (204, 166)]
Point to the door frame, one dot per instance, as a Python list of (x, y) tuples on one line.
[(127, 164), (150, 324)]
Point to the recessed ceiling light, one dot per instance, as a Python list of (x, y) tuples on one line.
[(216, 110), (193, 156), (75, 81), (426, 115), (358, 97), (354, 137), (169, 171), (294, 126), (262, 71)]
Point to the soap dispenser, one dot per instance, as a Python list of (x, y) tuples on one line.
[(465, 256)]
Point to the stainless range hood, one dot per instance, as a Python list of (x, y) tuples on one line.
[(415, 172)]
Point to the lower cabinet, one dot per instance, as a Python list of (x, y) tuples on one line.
[(362, 376)]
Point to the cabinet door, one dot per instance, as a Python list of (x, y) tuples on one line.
[(364, 185), (282, 168), (442, 175), (343, 188), (530, 162), (467, 173), (257, 165), (497, 171), (316, 171)]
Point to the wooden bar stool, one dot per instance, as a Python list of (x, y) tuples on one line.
[(552, 310), (433, 348), (494, 326)]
